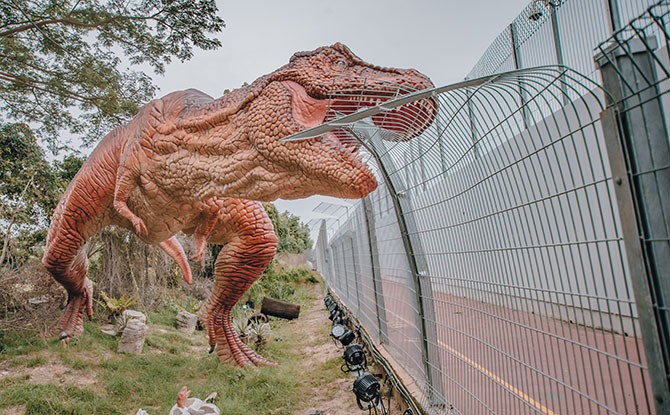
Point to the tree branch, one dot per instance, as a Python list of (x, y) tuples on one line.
[(74, 22)]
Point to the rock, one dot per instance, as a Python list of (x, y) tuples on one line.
[(109, 329), (133, 314), (38, 300), (186, 322), (132, 339)]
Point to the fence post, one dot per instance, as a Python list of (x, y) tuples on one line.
[(514, 45), (640, 161), (380, 308), (557, 45), (322, 261), (613, 11)]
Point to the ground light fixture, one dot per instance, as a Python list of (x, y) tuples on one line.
[(331, 305), (354, 358), (342, 334), (335, 316), (368, 390)]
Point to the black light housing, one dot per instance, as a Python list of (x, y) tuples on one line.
[(367, 389), (336, 316), (330, 304), (354, 358), (342, 334)]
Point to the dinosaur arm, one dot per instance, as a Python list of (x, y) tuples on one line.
[(127, 177), (125, 183), (173, 248), (202, 232)]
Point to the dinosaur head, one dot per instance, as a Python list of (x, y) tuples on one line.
[(328, 82), (334, 78)]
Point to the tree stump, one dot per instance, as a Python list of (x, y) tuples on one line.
[(278, 308)]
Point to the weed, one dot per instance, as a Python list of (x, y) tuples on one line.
[(36, 361), (115, 306)]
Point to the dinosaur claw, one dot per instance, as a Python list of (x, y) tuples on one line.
[(140, 227), (211, 348), (63, 335)]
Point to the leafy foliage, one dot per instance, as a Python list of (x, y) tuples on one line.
[(60, 65), (294, 236), (116, 306), (29, 189)]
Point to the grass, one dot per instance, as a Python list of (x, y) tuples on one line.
[(120, 384)]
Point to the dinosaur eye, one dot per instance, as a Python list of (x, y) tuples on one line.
[(341, 64)]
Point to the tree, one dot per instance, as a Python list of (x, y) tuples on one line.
[(28, 184), (61, 57), (294, 236), (29, 189)]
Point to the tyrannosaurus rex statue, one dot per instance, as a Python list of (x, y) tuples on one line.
[(191, 163)]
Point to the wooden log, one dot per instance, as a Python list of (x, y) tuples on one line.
[(278, 308)]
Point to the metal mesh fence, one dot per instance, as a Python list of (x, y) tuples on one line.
[(514, 258), (560, 32)]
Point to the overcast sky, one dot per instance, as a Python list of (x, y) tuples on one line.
[(441, 38)]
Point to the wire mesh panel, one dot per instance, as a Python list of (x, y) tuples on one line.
[(512, 279), (557, 32), (397, 320)]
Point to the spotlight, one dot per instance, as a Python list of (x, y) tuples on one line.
[(367, 389), (335, 314), (354, 358), (332, 306), (342, 333)]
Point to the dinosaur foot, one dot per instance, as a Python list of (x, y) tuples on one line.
[(227, 343), (71, 322)]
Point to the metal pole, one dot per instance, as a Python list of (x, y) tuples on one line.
[(514, 41), (615, 16), (376, 278), (557, 45), (643, 189)]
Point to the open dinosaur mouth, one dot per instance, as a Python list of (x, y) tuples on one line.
[(408, 120)]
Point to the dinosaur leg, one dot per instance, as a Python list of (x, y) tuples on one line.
[(249, 245), (67, 262)]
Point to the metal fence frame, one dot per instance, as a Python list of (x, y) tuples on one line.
[(515, 257)]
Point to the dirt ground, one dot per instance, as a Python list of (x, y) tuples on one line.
[(336, 397)]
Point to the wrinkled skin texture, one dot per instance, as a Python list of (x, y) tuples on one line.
[(190, 163)]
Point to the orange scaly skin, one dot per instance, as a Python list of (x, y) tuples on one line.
[(191, 163)]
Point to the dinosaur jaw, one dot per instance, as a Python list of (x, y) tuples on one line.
[(348, 175), (408, 120)]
